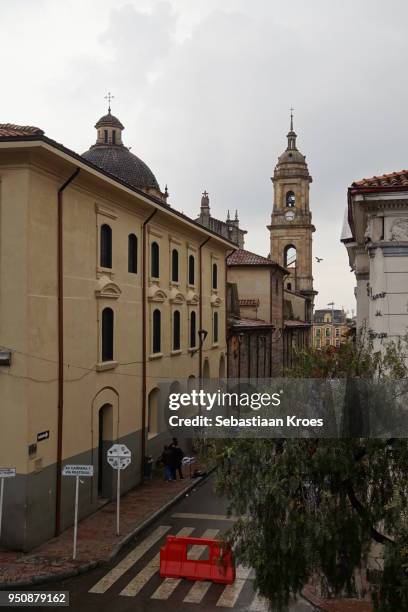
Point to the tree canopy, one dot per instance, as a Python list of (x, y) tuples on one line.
[(323, 508)]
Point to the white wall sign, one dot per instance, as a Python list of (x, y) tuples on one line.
[(7, 472)]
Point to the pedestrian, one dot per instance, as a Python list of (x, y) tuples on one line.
[(177, 459), (166, 459)]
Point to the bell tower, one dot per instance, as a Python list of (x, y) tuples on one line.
[(291, 225)]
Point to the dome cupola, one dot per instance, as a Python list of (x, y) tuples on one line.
[(110, 154)]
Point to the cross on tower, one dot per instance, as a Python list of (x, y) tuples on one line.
[(109, 97)]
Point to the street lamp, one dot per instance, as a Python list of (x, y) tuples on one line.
[(202, 334)]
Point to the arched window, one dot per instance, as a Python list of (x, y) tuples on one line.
[(155, 260), (215, 327), (290, 199), (193, 330), (214, 276), (106, 246), (290, 256), (174, 266), (191, 270), (156, 331), (132, 253), (176, 330), (107, 334)]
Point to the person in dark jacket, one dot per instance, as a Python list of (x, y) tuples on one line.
[(167, 460), (177, 459)]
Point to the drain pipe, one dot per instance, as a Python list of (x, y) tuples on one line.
[(144, 339), (60, 290), (200, 310)]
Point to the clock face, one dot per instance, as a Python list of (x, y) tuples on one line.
[(289, 215)]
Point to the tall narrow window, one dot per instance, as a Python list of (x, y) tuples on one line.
[(289, 256), (132, 253), (193, 332), (174, 266), (191, 270), (215, 327), (113, 137), (106, 246), (107, 334), (214, 276), (176, 330), (156, 331), (105, 136), (155, 260)]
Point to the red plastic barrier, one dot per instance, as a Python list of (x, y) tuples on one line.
[(174, 562)]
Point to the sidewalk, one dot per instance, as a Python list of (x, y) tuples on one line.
[(97, 542)]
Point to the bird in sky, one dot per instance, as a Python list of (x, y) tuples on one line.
[(319, 259)]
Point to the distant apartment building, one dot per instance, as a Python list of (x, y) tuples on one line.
[(330, 328)]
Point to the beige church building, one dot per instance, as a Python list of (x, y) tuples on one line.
[(106, 291)]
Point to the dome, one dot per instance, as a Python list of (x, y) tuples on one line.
[(118, 160), (109, 120), (110, 154)]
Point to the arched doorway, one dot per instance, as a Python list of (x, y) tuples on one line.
[(105, 416)]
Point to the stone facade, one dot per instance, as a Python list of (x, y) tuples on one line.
[(375, 234), (330, 328), (229, 228)]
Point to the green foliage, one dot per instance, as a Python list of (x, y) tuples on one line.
[(315, 507)]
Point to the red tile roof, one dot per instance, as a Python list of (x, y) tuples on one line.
[(249, 302), (9, 129), (241, 257), (393, 181)]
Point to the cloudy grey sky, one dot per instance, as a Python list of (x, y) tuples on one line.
[(203, 88)]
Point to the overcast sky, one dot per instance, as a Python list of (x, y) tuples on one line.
[(204, 88)]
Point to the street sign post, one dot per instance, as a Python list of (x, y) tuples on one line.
[(4, 473), (77, 471), (118, 457)]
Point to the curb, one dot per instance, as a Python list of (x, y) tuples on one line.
[(82, 569)]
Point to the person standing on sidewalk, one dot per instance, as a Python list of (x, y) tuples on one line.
[(167, 461), (177, 459)]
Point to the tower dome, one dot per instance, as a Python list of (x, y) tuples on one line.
[(110, 154), (292, 162)]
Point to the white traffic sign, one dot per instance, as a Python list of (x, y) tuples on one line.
[(118, 457), (7, 472), (119, 450), (77, 470), (4, 473)]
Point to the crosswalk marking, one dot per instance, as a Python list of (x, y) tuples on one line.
[(143, 577), (230, 594), (197, 592), (170, 584), (127, 562), (259, 604), (206, 517)]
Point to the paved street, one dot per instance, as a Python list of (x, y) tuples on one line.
[(132, 582)]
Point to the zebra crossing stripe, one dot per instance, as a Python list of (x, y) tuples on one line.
[(170, 584), (230, 594), (143, 577), (197, 592), (259, 604), (127, 562)]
